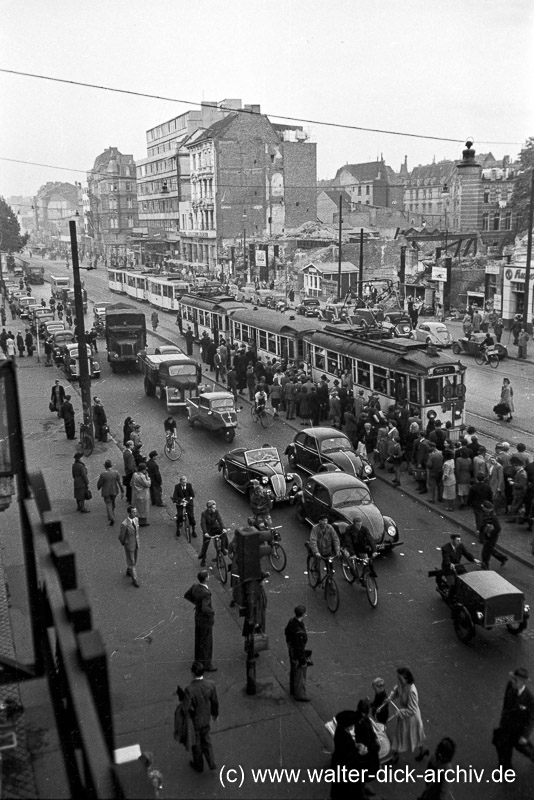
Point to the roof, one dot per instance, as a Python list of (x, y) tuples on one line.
[(331, 267), (368, 171), (324, 433), (338, 479), (215, 130), (432, 173), (334, 194), (217, 395), (275, 322)]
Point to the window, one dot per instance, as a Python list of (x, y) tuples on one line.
[(332, 362), (130, 221), (128, 185), (496, 221), (486, 195), (367, 190), (359, 190), (485, 221), (364, 374), (380, 380), (508, 221)]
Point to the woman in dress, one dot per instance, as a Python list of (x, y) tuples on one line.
[(409, 733), (141, 484), (81, 482), (507, 398), (464, 476), (449, 479)]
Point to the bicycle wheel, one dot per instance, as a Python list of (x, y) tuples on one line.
[(222, 567), (479, 359), (494, 361), (331, 594), (87, 443), (346, 568), (371, 588), (314, 575), (186, 527), (254, 414), (278, 557), (266, 419), (173, 451)]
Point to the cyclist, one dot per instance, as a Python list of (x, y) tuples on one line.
[(357, 541), (183, 497), (451, 557), (260, 400), (324, 541), (212, 525), (487, 344), (261, 502), (170, 429)]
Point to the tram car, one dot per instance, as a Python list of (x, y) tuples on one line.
[(209, 315), (273, 335)]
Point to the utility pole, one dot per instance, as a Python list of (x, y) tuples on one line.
[(85, 380), (527, 300), (360, 269), (339, 249)]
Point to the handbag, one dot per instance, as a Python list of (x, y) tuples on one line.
[(88, 494), (261, 642), (51, 407)]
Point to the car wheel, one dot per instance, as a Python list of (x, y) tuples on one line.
[(463, 624), (229, 435), (517, 627), (456, 349), (428, 340)]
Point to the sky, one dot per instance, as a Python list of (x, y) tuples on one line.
[(435, 68)]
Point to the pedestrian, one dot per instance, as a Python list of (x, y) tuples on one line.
[(154, 318), (522, 340), (28, 339), (275, 396), (200, 702), (231, 378), (48, 349), (11, 347), (297, 639), (140, 484), (179, 321), (334, 410), (184, 499), (200, 595), (409, 732), (437, 769), (498, 328), (110, 484), (464, 474), (129, 469), (477, 320), (380, 704), (13, 309), (434, 468), (517, 327), (467, 325), (21, 347), (517, 720), (506, 406), (156, 484), (57, 397), (519, 483), (489, 535), (449, 479), (251, 382), (127, 429), (99, 420), (66, 412), (135, 436), (478, 493), (345, 759), (3, 315), (81, 483), (129, 539), (188, 335)]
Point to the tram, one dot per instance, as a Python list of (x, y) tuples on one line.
[(116, 280), (398, 370), (272, 333), (164, 292), (209, 315)]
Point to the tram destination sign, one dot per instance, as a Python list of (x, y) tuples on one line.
[(446, 369)]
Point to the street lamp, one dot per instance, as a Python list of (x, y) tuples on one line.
[(245, 259)]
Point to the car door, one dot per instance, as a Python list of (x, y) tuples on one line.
[(308, 456), (320, 502)]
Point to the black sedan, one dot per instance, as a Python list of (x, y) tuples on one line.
[(397, 323), (314, 448), (240, 466), (340, 497), (309, 307)]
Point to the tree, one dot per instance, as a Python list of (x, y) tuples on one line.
[(520, 199), (11, 240)]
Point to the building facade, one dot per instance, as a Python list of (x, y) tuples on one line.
[(112, 206), (54, 205), (371, 183)]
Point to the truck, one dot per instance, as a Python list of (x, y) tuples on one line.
[(125, 336), (175, 375), (66, 295), (34, 273), (58, 283)]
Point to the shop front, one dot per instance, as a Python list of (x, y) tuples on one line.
[(513, 293)]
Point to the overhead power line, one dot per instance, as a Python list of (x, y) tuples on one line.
[(244, 111)]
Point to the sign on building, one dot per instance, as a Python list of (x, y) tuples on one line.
[(439, 274), (261, 258)]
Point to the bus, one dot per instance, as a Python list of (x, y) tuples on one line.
[(397, 370), (273, 334)]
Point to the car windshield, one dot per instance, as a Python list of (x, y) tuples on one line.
[(223, 404), (267, 455), (359, 496), (440, 329), (334, 444)]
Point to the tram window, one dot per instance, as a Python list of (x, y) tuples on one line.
[(319, 359), (433, 390), (246, 334), (237, 330), (331, 362), (364, 374), (271, 338), (380, 380), (413, 393), (263, 340)]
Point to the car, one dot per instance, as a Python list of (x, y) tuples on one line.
[(340, 497), (398, 323), (313, 448), (71, 361), (215, 411), (432, 332), (60, 339), (168, 349), (27, 311), (240, 466), (309, 307), (471, 345)]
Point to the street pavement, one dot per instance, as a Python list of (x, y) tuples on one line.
[(149, 632)]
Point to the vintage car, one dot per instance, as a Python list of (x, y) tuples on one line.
[(312, 448), (27, 311), (71, 362), (168, 350), (483, 598), (335, 313), (340, 497), (309, 307), (241, 466), (432, 332), (59, 339), (471, 345), (215, 411), (398, 323)]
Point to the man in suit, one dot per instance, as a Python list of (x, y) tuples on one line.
[(517, 720), (201, 702), (183, 491), (152, 467), (129, 468), (109, 483), (451, 557), (200, 596), (66, 412), (296, 639), (129, 538)]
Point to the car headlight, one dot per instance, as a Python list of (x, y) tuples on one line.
[(526, 609), (368, 469), (391, 531), (289, 476), (480, 616), (265, 479)]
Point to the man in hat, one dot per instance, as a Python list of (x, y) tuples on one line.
[(109, 483), (129, 468), (152, 467), (296, 639), (200, 702), (200, 595), (519, 484), (451, 558), (489, 534), (517, 720), (478, 493)]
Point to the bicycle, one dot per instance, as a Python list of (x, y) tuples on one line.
[(172, 447), (489, 356), (327, 581), (356, 568), (186, 525), (261, 415), (87, 442), (220, 561)]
